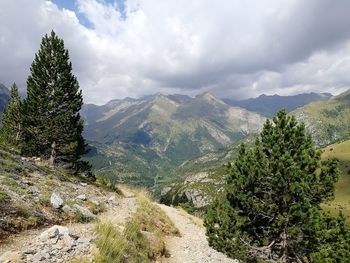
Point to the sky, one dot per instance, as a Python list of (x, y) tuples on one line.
[(231, 48)]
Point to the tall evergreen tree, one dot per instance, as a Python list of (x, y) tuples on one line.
[(12, 118), (271, 209), (52, 125)]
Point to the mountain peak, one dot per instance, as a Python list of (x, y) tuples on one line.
[(207, 96)]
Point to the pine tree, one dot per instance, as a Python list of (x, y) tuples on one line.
[(12, 118), (271, 207), (53, 127)]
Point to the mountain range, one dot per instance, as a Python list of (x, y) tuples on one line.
[(151, 140), (142, 140), (270, 105)]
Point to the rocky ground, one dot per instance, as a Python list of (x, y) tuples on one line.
[(72, 242)]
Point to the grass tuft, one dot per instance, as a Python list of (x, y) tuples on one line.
[(142, 238)]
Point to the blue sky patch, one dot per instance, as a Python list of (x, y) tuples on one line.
[(72, 5)]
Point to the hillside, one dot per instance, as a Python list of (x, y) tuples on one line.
[(270, 105), (140, 141), (328, 121), (341, 201), (33, 195)]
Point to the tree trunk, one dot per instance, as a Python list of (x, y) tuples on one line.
[(285, 245), (53, 153), (18, 133)]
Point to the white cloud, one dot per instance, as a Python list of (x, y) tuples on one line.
[(231, 47)]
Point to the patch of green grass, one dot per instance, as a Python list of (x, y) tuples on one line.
[(9, 182), (106, 182), (22, 210), (3, 197), (341, 201), (81, 218), (97, 208), (116, 246)]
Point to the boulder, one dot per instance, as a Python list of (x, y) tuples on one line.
[(40, 257), (33, 190), (56, 200), (113, 200), (196, 177), (84, 211), (165, 190), (10, 256), (53, 232), (81, 197), (197, 197)]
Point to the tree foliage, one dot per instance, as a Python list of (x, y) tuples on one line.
[(52, 127), (271, 210), (12, 118)]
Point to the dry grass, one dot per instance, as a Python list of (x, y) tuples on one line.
[(195, 220), (115, 245), (140, 240)]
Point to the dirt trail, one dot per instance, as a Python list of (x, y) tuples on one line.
[(192, 246)]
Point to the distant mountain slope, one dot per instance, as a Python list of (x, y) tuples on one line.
[(4, 96), (269, 105), (328, 121), (142, 140)]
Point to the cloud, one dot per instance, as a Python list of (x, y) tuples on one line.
[(232, 48)]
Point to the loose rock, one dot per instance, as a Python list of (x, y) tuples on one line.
[(81, 197), (84, 211), (56, 200)]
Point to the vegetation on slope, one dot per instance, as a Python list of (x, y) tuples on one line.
[(341, 151), (26, 188), (328, 121), (271, 207)]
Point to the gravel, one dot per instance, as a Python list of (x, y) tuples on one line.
[(192, 246)]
